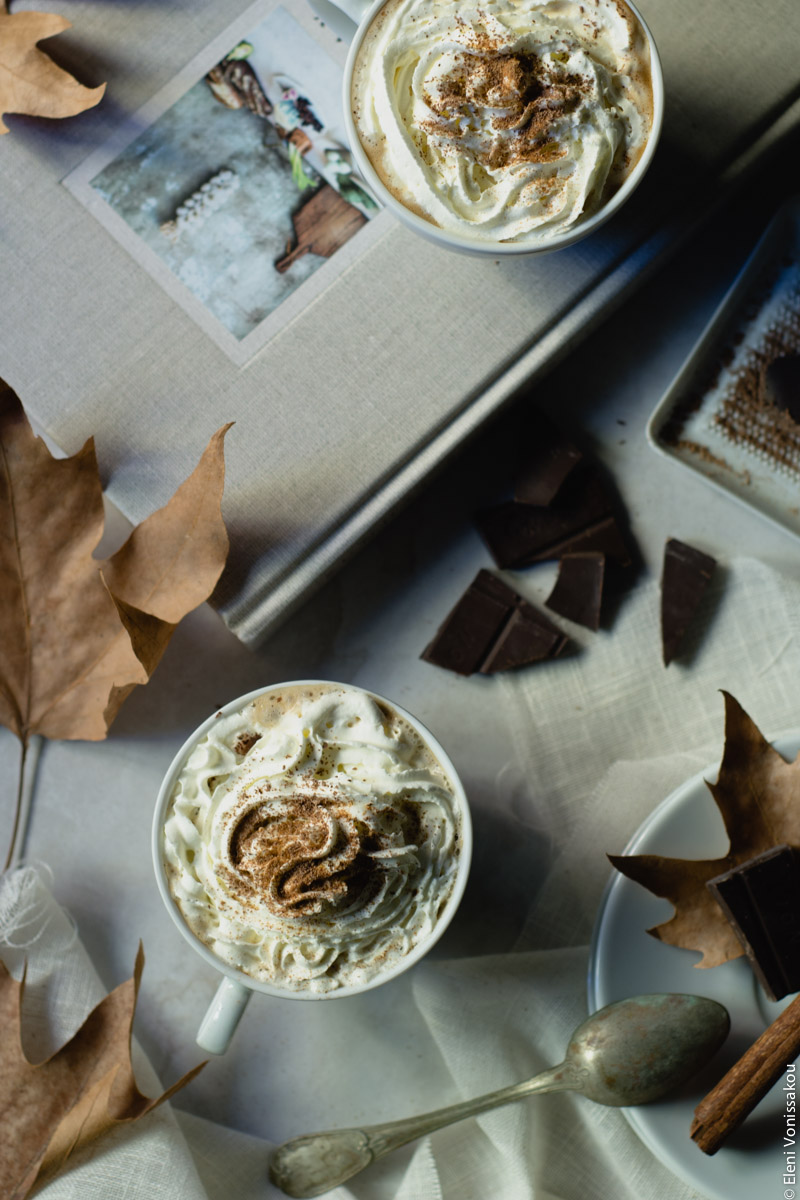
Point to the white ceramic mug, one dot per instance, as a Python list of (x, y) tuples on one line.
[(363, 12), (236, 988)]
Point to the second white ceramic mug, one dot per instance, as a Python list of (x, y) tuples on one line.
[(236, 987), (363, 12)]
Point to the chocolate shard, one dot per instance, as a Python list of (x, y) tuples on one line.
[(527, 637), (760, 899), (686, 575), (492, 628), (521, 534), (578, 590), (782, 384), (472, 627), (550, 459)]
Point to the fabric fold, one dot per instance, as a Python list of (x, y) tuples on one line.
[(148, 1160)]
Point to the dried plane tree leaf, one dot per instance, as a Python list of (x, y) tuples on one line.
[(758, 795), (170, 563), (172, 560), (30, 82), (79, 633), (53, 1109), (63, 648)]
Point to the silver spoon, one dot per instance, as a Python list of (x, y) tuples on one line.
[(628, 1053)]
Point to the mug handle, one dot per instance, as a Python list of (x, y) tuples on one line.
[(224, 1014), (354, 9)]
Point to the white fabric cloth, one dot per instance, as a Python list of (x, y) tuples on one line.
[(520, 1011), (601, 739), (61, 988)]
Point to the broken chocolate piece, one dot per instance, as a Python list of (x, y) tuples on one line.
[(550, 460), (521, 534), (760, 899), (492, 628), (578, 591), (472, 627), (526, 637), (782, 384), (686, 575)]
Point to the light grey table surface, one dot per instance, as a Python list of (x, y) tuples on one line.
[(93, 802)]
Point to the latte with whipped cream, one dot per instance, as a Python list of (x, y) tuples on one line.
[(503, 120), (312, 838)]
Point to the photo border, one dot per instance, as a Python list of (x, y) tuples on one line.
[(78, 183)]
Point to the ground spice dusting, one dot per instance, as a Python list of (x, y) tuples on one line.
[(244, 743), (702, 452), (749, 418), (308, 858), (745, 414), (523, 94)]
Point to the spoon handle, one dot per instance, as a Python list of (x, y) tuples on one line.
[(310, 1165)]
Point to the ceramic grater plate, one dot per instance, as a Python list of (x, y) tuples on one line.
[(715, 418)]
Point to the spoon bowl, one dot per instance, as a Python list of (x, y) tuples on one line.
[(632, 1052), (640, 1049)]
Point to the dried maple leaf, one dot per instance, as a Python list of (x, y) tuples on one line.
[(78, 633), (758, 794), (30, 82), (55, 1108)]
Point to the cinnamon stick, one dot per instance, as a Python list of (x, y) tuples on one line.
[(748, 1081)]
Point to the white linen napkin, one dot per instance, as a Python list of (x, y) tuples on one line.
[(145, 1160), (169, 1153), (517, 1017), (514, 1018)]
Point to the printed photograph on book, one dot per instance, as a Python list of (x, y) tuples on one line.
[(242, 187)]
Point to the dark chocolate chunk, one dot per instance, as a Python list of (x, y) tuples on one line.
[(472, 627), (526, 637), (782, 384), (492, 628), (550, 460), (686, 575), (761, 899), (521, 534), (578, 591)]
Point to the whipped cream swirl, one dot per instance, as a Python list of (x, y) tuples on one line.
[(311, 843), (507, 120)]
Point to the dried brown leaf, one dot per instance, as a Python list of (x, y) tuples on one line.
[(30, 82), (172, 560), (758, 795), (63, 647), (72, 650), (53, 1109), (149, 638)]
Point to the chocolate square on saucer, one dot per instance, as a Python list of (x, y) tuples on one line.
[(761, 899)]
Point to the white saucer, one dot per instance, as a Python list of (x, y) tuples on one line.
[(625, 961)]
